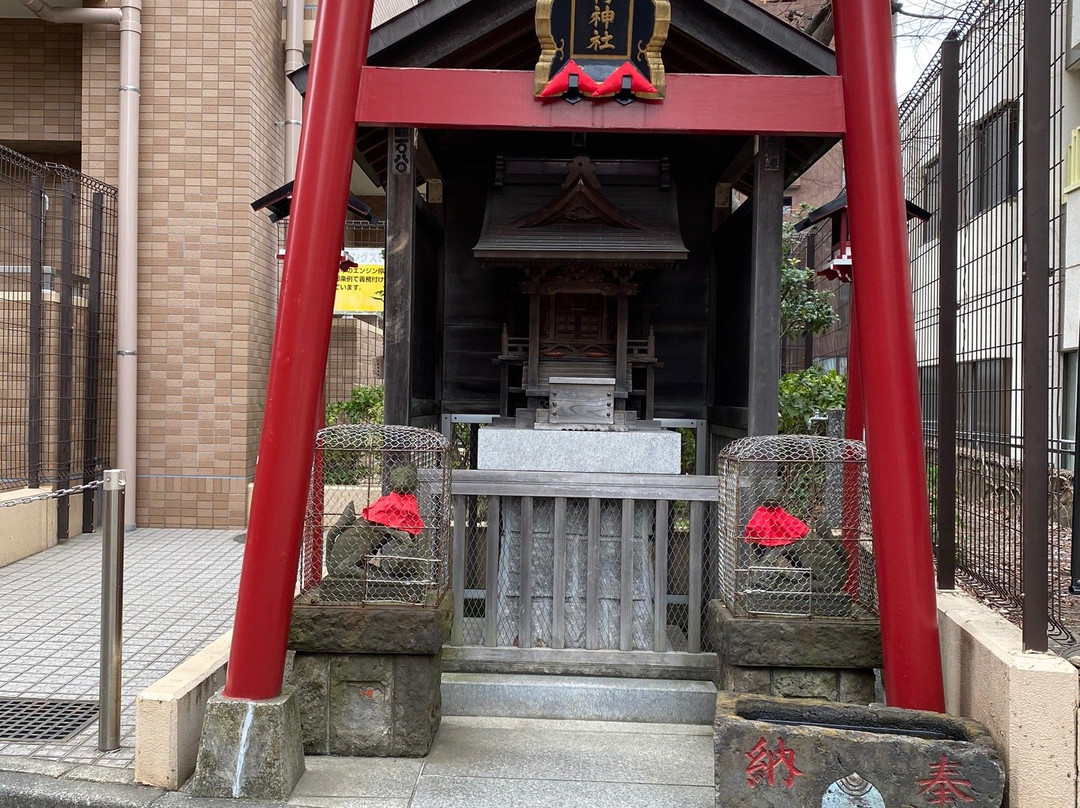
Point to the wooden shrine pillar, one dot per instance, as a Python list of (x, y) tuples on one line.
[(400, 275), (765, 257), (622, 380), (532, 370)]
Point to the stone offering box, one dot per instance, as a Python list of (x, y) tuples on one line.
[(372, 615), (772, 753)]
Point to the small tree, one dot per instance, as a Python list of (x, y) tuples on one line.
[(802, 307), (364, 405)]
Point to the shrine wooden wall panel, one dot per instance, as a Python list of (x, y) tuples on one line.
[(732, 247), (425, 343), (476, 300), (678, 300)]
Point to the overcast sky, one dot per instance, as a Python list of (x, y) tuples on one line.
[(918, 38)]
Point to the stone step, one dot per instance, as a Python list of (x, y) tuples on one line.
[(587, 698)]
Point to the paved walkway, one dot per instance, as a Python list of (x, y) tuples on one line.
[(179, 594), (526, 763), (474, 763)]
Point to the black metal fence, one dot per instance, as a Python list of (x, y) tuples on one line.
[(963, 134), (57, 325)]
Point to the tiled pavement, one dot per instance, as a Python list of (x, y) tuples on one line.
[(179, 594)]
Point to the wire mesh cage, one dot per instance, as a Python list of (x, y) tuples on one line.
[(794, 533), (378, 519)]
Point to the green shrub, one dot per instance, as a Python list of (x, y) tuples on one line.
[(348, 466), (809, 392), (364, 405)]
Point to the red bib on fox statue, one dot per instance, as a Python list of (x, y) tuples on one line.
[(772, 526), (399, 511)]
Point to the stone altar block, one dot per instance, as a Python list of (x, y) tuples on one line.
[(633, 452)]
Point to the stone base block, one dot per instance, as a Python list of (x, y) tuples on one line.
[(249, 749), (793, 642), (772, 753), (368, 705), (850, 685)]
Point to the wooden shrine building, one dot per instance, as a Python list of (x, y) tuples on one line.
[(515, 257)]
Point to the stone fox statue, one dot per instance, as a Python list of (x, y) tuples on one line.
[(386, 536)]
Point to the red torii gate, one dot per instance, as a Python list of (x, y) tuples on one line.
[(860, 104)]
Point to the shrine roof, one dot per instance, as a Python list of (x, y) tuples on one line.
[(613, 217)]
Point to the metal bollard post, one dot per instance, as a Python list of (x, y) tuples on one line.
[(112, 610)]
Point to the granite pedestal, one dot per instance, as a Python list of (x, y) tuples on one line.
[(636, 452), (367, 677), (249, 749)]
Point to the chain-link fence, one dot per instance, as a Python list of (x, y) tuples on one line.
[(355, 359), (57, 311), (377, 526), (794, 531), (980, 379)]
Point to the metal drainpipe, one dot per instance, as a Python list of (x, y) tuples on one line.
[(294, 104), (129, 17)]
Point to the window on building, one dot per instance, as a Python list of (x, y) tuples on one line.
[(834, 363), (983, 404), (931, 199), (928, 398), (1068, 409), (997, 160)]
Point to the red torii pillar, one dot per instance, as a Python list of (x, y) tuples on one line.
[(886, 338), (886, 347), (298, 359)]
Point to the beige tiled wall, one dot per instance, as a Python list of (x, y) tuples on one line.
[(39, 84), (212, 99)]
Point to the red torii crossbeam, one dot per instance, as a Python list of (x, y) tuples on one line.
[(861, 105), (711, 104)]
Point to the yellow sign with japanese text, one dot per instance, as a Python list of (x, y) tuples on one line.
[(360, 288)]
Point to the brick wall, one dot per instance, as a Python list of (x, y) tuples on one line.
[(39, 85), (212, 99)]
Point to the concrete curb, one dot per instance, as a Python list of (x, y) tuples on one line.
[(27, 790), (48, 784)]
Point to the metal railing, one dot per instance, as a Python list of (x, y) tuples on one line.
[(57, 319)]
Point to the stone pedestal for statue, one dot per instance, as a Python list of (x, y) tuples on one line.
[(585, 449), (819, 658), (368, 677)]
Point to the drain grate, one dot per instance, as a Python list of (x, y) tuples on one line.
[(44, 720)]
